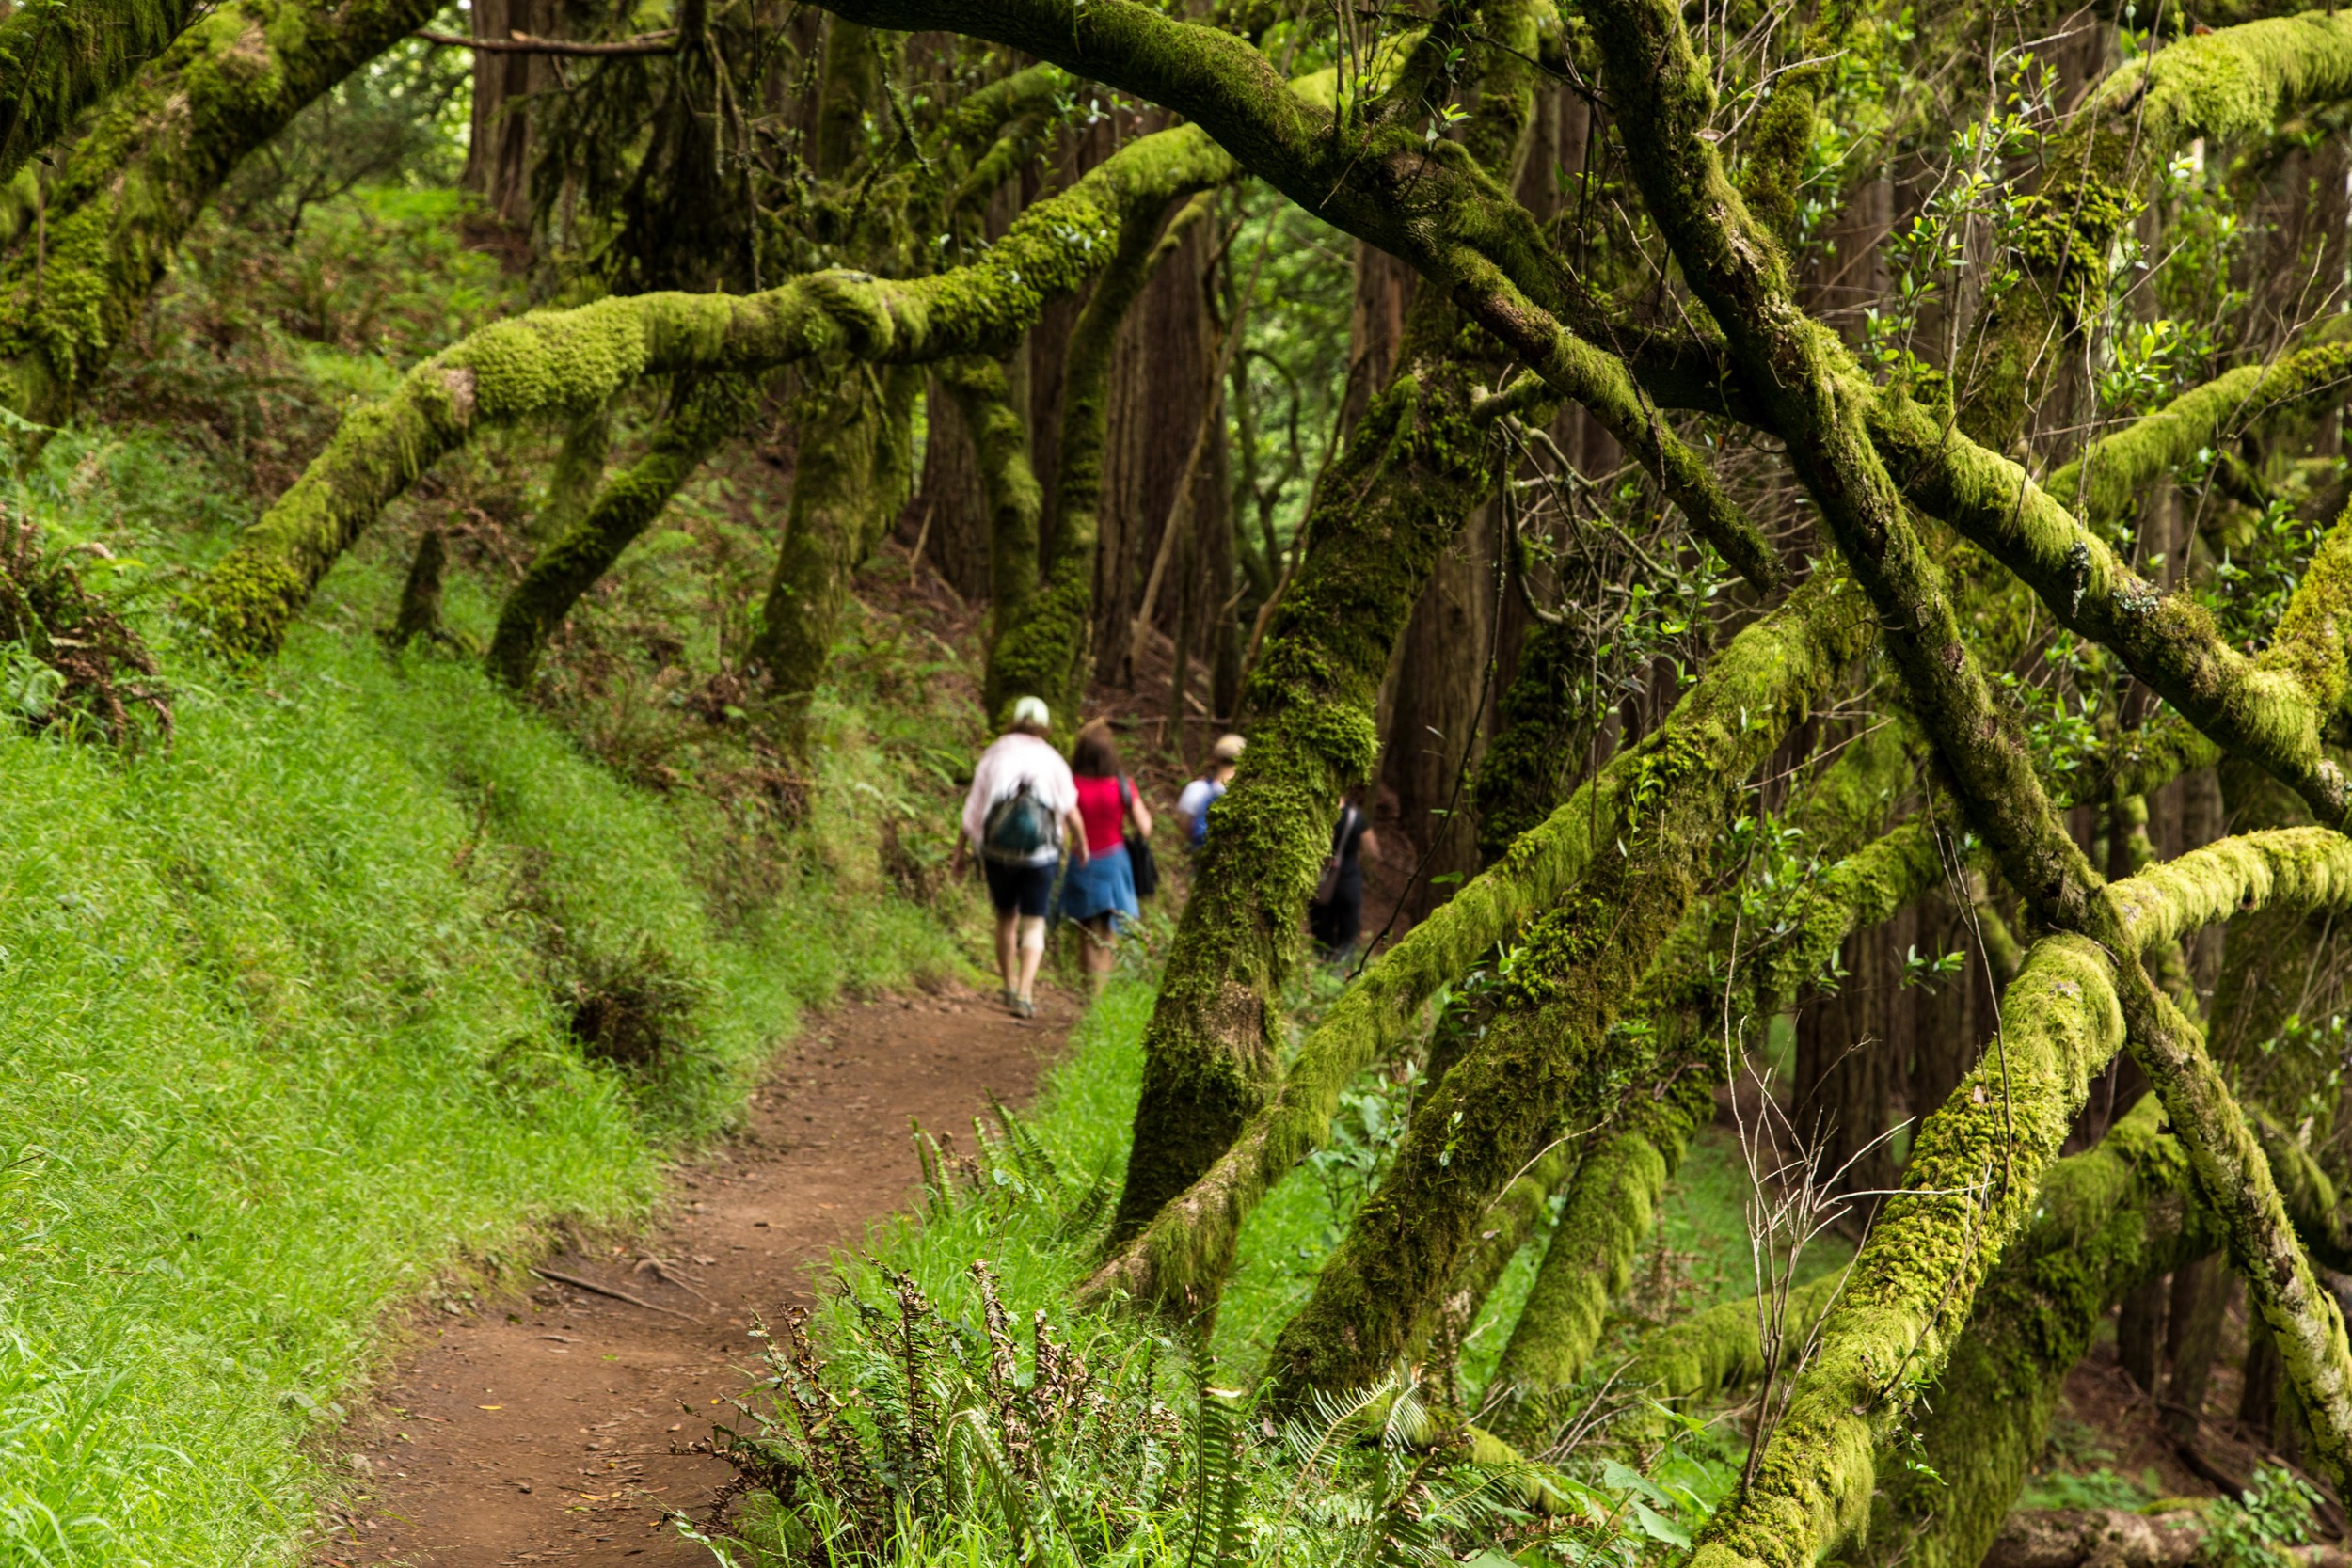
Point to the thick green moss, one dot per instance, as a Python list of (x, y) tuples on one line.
[(1977, 1160), (1393, 499), (2259, 709), (1612, 1208)]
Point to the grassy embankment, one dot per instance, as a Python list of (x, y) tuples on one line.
[(292, 1008)]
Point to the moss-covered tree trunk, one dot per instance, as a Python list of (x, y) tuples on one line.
[(153, 157), (1776, 665), (707, 412), (2216, 82), (1417, 466), (854, 467)]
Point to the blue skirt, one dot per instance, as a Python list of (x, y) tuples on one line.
[(1106, 884)]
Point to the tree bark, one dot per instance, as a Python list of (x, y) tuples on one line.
[(2201, 1300), (420, 612), (1435, 720), (498, 153)]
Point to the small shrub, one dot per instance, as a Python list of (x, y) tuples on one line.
[(2254, 1531), (72, 662)]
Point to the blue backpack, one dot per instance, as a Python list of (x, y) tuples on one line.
[(1017, 827), (1200, 823)]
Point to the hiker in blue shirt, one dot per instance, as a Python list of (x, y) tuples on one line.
[(1192, 805), (1022, 806)]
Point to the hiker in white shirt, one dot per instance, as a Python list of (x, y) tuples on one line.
[(1021, 808)]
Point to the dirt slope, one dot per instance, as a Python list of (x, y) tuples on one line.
[(539, 1428)]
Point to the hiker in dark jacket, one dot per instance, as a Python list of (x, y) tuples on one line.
[(1021, 807), (1335, 913)]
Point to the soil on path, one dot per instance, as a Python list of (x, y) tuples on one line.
[(538, 1429)]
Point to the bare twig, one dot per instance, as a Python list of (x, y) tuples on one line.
[(594, 1288), (523, 43)]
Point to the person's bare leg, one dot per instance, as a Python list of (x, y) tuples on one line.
[(1101, 953), (1009, 950), (1032, 954)]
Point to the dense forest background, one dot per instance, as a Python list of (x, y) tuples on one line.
[(1815, 532)]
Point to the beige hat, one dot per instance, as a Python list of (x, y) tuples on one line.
[(1228, 748)]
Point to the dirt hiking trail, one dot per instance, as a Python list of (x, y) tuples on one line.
[(539, 1428)]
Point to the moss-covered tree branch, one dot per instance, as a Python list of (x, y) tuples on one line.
[(58, 57), (706, 412), (1768, 675), (2112, 471), (1613, 1203), (1444, 207), (151, 161), (567, 362)]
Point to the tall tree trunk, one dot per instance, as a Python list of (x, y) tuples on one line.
[(1394, 500), (2200, 1301), (955, 508), (1842, 1094), (498, 154), (847, 485), (1161, 392), (1437, 716)]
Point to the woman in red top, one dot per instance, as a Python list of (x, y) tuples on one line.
[(1097, 893)]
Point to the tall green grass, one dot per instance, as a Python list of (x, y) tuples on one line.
[(286, 1042)]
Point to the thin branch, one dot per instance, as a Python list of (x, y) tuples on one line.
[(523, 43)]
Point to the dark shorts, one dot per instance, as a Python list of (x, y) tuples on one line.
[(1028, 889)]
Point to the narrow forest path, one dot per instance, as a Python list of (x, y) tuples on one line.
[(539, 1428)]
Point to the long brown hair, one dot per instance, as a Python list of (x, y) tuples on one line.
[(1096, 754)]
